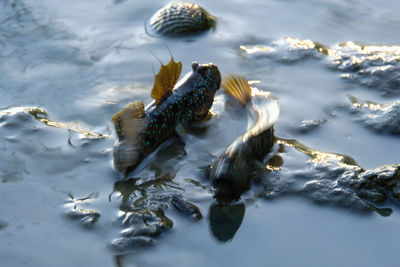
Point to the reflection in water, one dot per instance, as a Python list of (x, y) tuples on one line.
[(225, 220), (118, 260), (144, 199), (3, 225), (163, 162), (142, 212)]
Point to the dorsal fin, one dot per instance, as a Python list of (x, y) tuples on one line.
[(237, 87), (165, 80), (129, 120)]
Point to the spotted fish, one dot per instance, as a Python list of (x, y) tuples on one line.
[(141, 130), (233, 170)]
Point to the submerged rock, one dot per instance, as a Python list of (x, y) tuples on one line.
[(87, 217), (129, 244), (372, 66), (379, 184), (141, 231), (181, 18), (334, 179), (384, 118), (309, 125), (287, 50), (186, 208), (142, 211)]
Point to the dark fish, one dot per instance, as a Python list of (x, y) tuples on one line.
[(181, 18), (140, 131), (232, 171)]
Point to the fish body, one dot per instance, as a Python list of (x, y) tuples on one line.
[(141, 130), (233, 170)]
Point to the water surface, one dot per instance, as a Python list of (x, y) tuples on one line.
[(83, 61)]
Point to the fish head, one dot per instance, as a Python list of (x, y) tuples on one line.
[(206, 81), (209, 74)]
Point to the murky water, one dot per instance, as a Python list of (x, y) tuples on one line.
[(73, 65)]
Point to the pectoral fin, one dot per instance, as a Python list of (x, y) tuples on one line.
[(258, 171), (203, 117), (129, 120), (165, 80), (128, 123)]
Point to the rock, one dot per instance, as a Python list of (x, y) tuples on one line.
[(334, 179), (383, 118), (186, 208), (129, 244), (181, 19), (373, 66)]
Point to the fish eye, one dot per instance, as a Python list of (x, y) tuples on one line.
[(203, 70)]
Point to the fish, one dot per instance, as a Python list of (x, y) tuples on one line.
[(233, 170), (141, 130)]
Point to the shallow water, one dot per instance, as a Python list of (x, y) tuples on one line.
[(83, 61)]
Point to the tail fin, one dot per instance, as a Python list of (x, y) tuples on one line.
[(237, 87)]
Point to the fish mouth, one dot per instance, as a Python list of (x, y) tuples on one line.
[(202, 113)]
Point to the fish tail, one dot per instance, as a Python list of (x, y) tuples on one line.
[(238, 88)]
